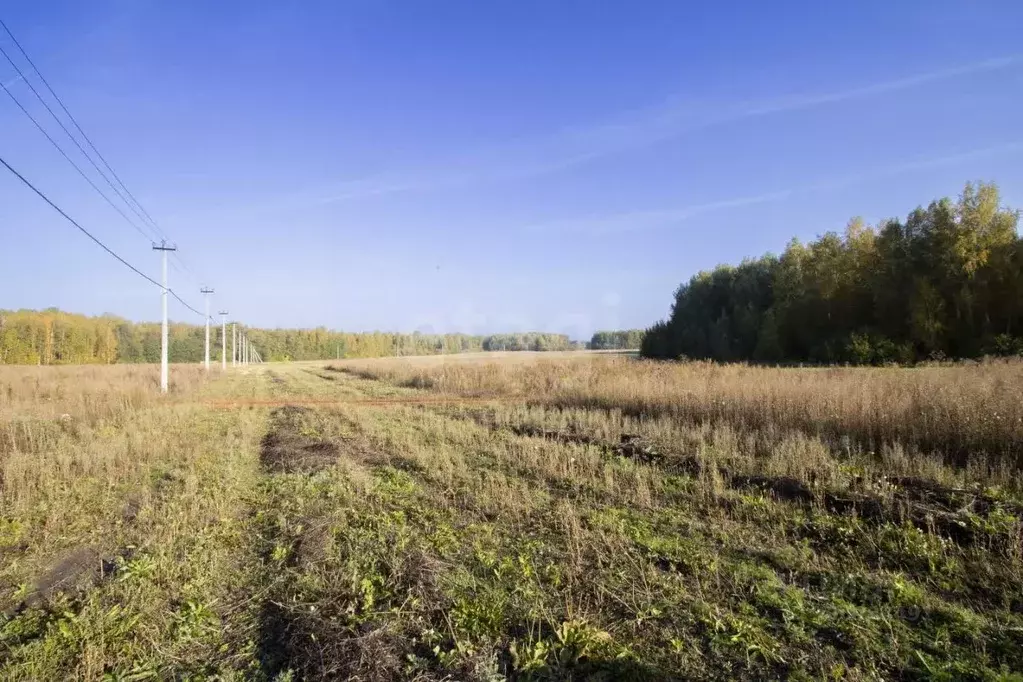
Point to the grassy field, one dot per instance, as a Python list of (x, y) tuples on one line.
[(564, 516)]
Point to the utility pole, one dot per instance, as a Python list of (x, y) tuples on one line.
[(234, 344), (205, 291), (163, 337), (223, 340)]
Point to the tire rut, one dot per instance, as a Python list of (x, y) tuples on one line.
[(288, 446)]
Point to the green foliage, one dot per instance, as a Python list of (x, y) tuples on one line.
[(535, 341), (946, 282), (628, 339)]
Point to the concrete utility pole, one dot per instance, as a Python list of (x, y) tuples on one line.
[(163, 337), (206, 294), (223, 340), (234, 344)]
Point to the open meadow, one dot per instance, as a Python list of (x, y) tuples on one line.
[(512, 516)]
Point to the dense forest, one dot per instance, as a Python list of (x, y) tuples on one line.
[(617, 340), (945, 283), (54, 337)]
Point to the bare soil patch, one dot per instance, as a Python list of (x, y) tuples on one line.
[(288, 447)]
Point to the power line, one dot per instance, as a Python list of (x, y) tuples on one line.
[(73, 139), (88, 234), (72, 162), (79, 128), (71, 220), (183, 264), (151, 221), (182, 302)]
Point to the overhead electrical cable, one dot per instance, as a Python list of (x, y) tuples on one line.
[(72, 162), (153, 233), (78, 127), (134, 205), (91, 236)]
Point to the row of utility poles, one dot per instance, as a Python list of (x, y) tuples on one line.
[(243, 352)]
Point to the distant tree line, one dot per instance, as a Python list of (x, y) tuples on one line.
[(617, 340), (52, 337), (946, 282), (535, 341)]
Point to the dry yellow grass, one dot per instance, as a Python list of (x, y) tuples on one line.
[(101, 474), (47, 413), (585, 514), (958, 411), (85, 391)]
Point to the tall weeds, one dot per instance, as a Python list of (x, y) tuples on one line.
[(47, 413), (956, 410)]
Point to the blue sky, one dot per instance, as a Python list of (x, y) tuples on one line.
[(482, 167)]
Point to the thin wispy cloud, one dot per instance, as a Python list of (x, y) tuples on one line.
[(574, 147), (508, 165), (645, 219), (633, 221), (808, 101), (577, 146)]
